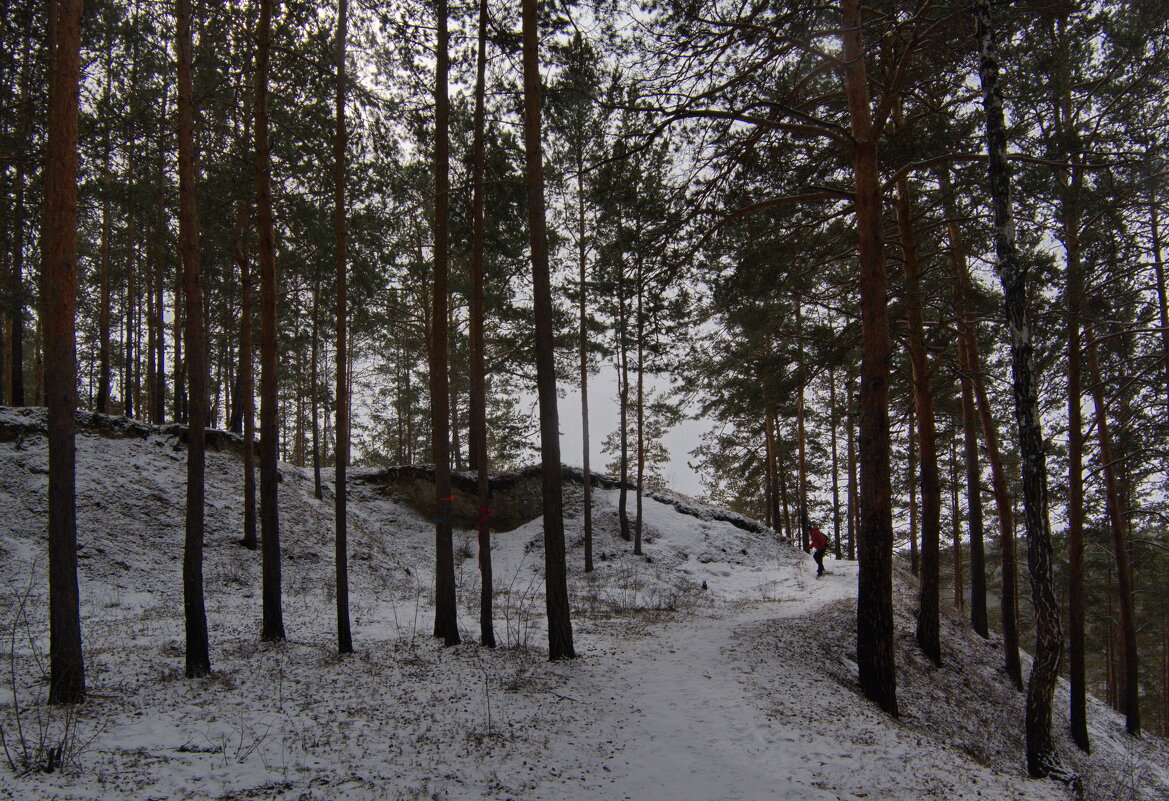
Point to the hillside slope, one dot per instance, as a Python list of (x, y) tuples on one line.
[(716, 668)]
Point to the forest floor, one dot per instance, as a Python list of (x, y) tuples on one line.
[(717, 668)]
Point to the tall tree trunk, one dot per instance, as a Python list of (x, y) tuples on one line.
[(928, 616), (314, 380), (445, 612), (832, 420), (1131, 705), (59, 271), (623, 406), (158, 412), (852, 487), (772, 493), (180, 365), (1042, 759), (875, 654), (801, 434), (129, 398), (102, 403), (194, 612), (640, 405), (582, 261), (559, 625), (956, 519), (911, 480), (273, 615), (340, 140), (1075, 508), (789, 532), (246, 372), (478, 410), (978, 614)]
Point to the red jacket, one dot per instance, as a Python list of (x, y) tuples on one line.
[(819, 541)]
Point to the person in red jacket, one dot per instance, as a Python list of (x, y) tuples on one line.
[(819, 545)]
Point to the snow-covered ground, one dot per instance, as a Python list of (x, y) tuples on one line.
[(717, 667)]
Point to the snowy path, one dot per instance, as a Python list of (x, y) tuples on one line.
[(696, 732)]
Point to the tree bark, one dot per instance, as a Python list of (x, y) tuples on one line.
[(1078, 708), (832, 419), (314, 379), (582, 260), (852, 485), (1042, 759), (928, 616), (559, 625), (478, 403), (445, 611), (772, 494), (801, 436), (1131, 702), (59, 271), (978, 614), (273, 615), (341, 527), (623, 404), (102, 402), (640, 405), (911, 480), (194, 611), (956, 519), (875, 654)]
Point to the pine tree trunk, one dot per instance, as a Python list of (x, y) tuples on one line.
[(1075, 505), (445, 611), (59, 271), (640, 406), (978, 613), (832, 419), (911, 482), (582, 260), (479, 351), (928, 616), (158, 413), (801, 436), (559, 625), (789, 532), (273, 616), (956, 520), (1131, 705), (875, 653), (772, 493), (102, 402), (195, 614), (314, 379), (852, 487), (341, 461), (1042, 759), (623, 407)]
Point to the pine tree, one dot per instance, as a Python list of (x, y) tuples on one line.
[(273, 615), (555, 572), (59, 271), (198, 650)]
